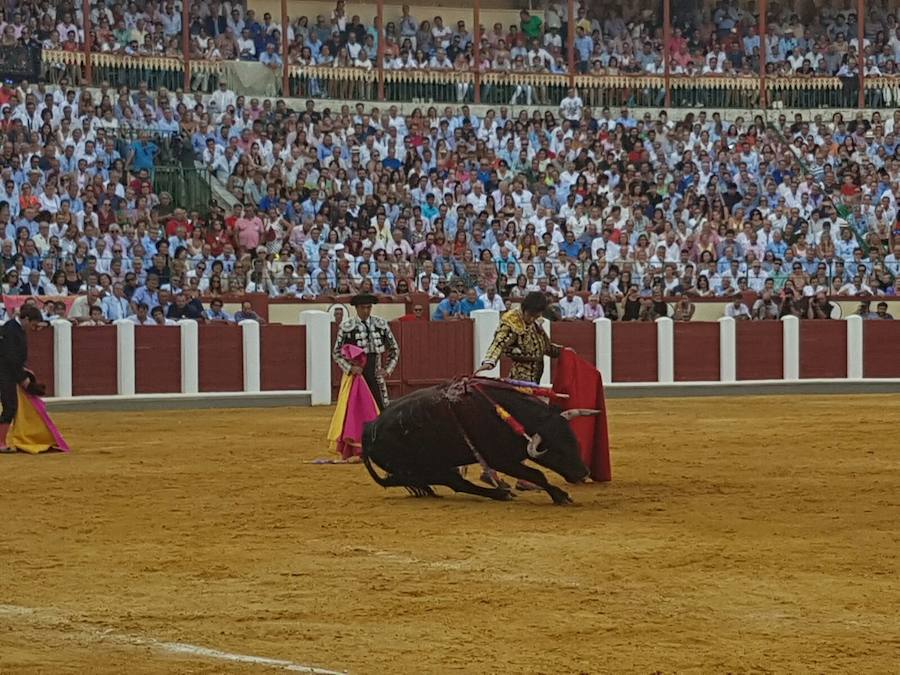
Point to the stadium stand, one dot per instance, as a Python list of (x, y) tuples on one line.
[(178, 175)]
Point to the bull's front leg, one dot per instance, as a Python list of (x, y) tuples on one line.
[(457, 483), (527, 473)]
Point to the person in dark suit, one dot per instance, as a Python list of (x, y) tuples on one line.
[(13, 356), (33, 285)]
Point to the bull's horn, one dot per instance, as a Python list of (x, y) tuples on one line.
[(579, 412), (532, 448)]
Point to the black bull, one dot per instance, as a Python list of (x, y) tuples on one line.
[(423, 438)]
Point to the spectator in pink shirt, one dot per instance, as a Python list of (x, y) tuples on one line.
[(249, 229), (593, 309)]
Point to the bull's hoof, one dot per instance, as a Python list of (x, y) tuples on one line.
[(487, 479), (420, 491), (493, 479), (560, 497), (502, 495)]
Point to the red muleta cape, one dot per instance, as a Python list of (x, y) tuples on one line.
[(584, 385)]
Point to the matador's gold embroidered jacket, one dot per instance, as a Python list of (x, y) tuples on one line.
[(526, 344)]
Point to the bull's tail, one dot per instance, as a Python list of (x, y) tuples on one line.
[(414, 487)]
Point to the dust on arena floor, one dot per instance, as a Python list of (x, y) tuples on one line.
[(739, 534)]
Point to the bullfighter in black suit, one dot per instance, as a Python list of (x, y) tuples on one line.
[(13, 356)]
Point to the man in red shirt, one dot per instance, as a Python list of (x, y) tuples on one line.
[(418, 314), (230, 220), (179, 219)]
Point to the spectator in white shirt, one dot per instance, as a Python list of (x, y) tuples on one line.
[(571, 307), (737, 310), (570, 107), (493, 301), (142, 315)]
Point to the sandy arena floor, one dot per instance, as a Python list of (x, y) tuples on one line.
[(741, 534)]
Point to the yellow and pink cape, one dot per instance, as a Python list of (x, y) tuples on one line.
[(355, 407), (33, 431)]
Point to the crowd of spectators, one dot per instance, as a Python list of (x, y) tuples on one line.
[(607, 40), (330, 202)]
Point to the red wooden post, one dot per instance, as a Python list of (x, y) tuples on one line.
[(186, 43), (861, 49), (476, 48), (571, 38), (763, 57), (667, 47), (285, 75), (86, 42), (380, 58)]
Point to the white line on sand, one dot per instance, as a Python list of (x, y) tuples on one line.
[(53, 618)]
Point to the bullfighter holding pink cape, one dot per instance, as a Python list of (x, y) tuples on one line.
[(24, 422), (32, 430), (355, 406)]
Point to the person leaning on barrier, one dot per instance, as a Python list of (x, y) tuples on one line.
[(819, 307), (765, 308), (141, 315), (882, 313), (684, 309)]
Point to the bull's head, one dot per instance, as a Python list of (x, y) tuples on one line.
[(551, 442), (556, 448), (533, 447)]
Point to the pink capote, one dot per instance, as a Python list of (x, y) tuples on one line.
[(32, 430), (355, 406)]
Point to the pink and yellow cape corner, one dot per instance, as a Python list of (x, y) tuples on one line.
[(33, 431)]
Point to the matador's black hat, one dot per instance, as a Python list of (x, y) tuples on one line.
[(364, 299)]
